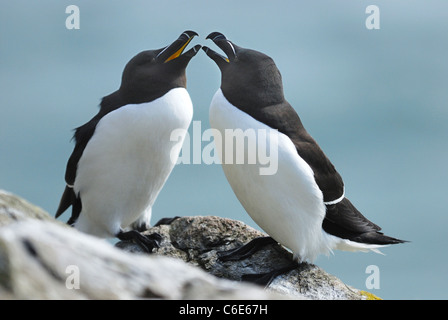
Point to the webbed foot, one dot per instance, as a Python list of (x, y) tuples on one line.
[(147, 242), (245, 251), (265, 279), (166, 221)]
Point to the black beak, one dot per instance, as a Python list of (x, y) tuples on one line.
[(226, 45), (174, 50)]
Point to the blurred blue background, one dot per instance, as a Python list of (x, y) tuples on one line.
[(375, 100)]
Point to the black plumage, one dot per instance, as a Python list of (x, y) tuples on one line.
[(145, 78), (251, 82)]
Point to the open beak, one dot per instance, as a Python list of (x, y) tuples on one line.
[(222, 42), (174, 50)]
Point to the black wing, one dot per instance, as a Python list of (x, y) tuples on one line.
[(345, 221), (82, 137), (341, 219), (69, 198), (284, 118)]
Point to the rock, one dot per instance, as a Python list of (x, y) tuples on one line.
[(43, 259), (197, 240), (14, 208)]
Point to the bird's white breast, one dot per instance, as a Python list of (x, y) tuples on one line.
[(288, 204), (127, 161)]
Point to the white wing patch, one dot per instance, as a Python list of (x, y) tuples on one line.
[(328, 203)]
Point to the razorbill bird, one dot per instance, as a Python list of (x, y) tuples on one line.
[(303, 205), (122, 156)]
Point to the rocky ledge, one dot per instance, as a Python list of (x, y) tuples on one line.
[(41, 258)]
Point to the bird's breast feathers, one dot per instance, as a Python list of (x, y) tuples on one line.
[(287, 204), (128, 158)]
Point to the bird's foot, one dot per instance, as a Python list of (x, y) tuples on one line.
[(247, 250), (166, 221), (147, 242), (265, 279)]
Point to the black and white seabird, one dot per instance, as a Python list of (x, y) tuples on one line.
[(122, 156), (303, 205)]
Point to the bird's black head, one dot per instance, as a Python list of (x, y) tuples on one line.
[(152, 73), (248, 77)]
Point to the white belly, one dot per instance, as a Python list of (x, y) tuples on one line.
[(288, 204), (127, 161)]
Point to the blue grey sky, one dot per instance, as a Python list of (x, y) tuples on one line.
[(375, 100)]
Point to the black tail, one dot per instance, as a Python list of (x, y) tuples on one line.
[(377, 238), (343, 220), (68, 199)]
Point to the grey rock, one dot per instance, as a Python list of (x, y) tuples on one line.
[(197, 240), (41, 258), (14, 208)]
